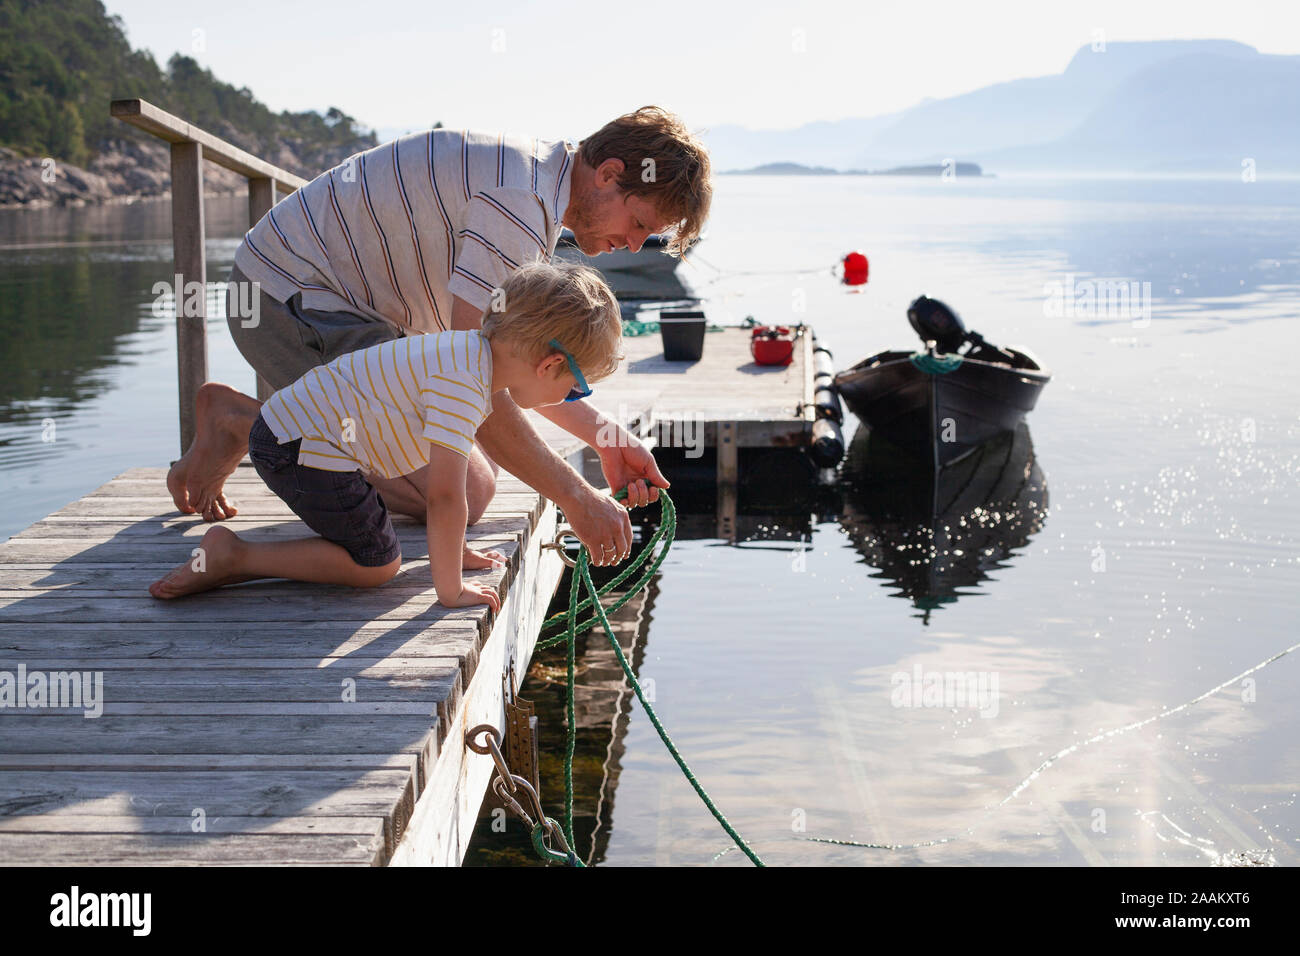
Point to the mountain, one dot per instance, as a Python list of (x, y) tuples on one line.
[(1194, 113), (1189, 105)]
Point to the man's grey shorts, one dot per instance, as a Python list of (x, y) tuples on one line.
[(289, 341)]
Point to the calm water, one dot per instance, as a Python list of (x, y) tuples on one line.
[(1154, 559)]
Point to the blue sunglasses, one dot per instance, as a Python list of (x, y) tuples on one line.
[(582, 391)]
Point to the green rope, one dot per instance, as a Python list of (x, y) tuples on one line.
[(633, 327), (935, 364), (582, 573)]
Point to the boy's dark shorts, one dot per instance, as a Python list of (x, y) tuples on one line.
[(340, 506)]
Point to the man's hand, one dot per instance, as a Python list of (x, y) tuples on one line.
[(629, 464), (602, 524), (626, 462)]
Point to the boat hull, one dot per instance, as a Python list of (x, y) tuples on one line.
[(941, 416), (649, 273)]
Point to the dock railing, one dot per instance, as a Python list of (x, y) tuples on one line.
[(190, 146)]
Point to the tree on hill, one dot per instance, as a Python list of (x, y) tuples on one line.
[(63, 61)]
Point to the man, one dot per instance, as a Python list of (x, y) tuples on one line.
[(417, 236)]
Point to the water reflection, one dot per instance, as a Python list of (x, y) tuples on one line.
[(935, 536), (76, 286), (63, 325)]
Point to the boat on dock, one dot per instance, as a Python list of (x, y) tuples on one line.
[(943, 402)]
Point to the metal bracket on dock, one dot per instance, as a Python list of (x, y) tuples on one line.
[(521, 731), (557, 546), (508, 785)]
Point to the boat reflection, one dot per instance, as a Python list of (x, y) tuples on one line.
[(936, 534)]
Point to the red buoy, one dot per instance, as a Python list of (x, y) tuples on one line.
[(856, 268)]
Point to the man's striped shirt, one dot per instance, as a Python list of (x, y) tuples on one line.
[(396, 231), (376, 409)]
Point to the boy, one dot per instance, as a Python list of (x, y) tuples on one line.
[(390, 409)]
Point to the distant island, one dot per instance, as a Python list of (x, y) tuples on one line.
[(964, 170)]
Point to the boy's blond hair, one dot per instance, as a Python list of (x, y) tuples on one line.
[(563, 301)]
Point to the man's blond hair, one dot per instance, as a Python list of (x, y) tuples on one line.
[(563, 301), (663, 163)]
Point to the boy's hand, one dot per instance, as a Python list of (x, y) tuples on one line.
[(475, 560), (471, 594)]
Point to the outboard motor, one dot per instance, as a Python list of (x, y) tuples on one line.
[(935, 322)]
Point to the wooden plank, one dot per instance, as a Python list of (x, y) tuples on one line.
[(169, 548), (424, 679), (190, 266), (151, 498), (420, 684), (807, 409), (178, 525), (257, 708), (193, 850), (77, 823), (125, 687), (243, 603), (234, 734), (168, 551), (321, 644), (263, 793), (173, 129), (169, 664), (104, 761), (261, 197), (245, 473), (728, 459), (130, 579)]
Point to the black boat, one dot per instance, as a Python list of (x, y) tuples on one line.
[(941, 403), (649, 273), (937, 535)]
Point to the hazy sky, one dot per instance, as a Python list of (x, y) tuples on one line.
[(564, 68)]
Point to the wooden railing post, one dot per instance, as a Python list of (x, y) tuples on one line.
[(190, 266), (191, 146), (261, 197)]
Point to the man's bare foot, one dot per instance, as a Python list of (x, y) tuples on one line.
[(212, 567), (223, 420)]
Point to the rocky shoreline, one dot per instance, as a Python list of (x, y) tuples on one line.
[(129, 169), (126, 170)]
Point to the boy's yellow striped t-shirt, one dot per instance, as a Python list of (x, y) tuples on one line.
[(376, 409)]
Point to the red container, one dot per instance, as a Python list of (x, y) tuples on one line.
[(772, 345)]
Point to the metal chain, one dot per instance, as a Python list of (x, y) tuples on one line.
[(508, 786)]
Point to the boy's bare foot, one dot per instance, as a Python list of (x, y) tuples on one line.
[(223, 420), (212, 567)]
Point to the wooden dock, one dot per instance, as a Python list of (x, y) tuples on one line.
[(279, 722)]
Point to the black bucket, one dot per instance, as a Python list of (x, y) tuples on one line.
[(683, 335)]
